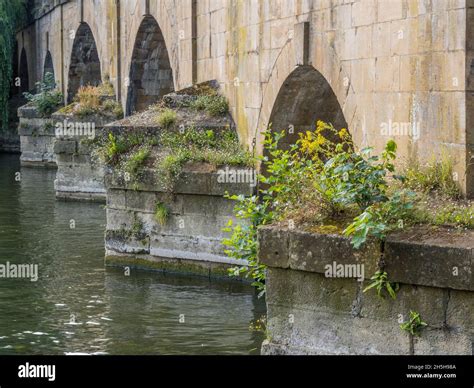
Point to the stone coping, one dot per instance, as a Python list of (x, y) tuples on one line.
[(425, 256), (189, 182)]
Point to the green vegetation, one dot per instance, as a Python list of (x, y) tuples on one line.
[(114, 148), (137, 161), (323, 184), (166, 118), (194, 146), (381, 284), (455, 215), (414, 324), (169, 151), (114, 107), (94, 100), (137, 230), (435, 176), (12, 16), (48, 98), (106, 88), (214, 105), (161, 213), (242, 242)]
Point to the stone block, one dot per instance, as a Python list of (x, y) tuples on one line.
[(313, 252), (440, 258), (273, 247), (436, 342), (65, 146)]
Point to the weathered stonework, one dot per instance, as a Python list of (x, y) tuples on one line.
[(191, 238), (80, 176), (310, 313), (36, 137), (399, 64)]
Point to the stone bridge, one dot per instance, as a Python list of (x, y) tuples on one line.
[(400, 69)]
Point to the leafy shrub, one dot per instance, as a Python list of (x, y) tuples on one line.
[(414, 324), (48, 98), (319, 179), (87, 100), (242, 242)]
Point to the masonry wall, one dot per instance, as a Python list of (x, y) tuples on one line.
[(36, 138), (312, 313), (392, 61), (190, 239)]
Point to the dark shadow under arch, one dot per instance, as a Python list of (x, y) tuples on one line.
[(23, 72), (84, 68), (48, 65), (151, 76), (304, 98)]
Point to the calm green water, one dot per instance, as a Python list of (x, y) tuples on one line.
[(78, 306)]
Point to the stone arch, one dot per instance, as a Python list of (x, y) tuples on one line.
[(304, 98), (48, 65), (84, 68), (23, 72), (150, 75)]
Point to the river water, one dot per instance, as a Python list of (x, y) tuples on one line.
[(79, 307)]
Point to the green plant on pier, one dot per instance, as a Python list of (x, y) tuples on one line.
[(414, 324), (137, 161), (166, 118), (214, 105), (47, 98), (380, 282), (13, 14), (242, 243)]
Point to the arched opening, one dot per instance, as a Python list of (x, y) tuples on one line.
[(304, 98), (84, 68), (23, 73), (48, 65), (151, 76)]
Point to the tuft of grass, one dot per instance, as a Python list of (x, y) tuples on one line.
[(214, 105), (106, 88), (48, 98), (113, 107), (161, 213), (436, 176), (137, 161), (166, 118)]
